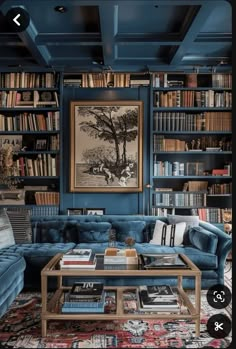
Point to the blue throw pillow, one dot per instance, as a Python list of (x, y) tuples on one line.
[(94, 231), (203, 239), (134, 229), (50, 232)]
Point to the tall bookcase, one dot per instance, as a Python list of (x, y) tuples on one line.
[(191, 144), (30, 122)]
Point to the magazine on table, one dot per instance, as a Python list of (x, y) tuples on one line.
[(78, 253), (171, 260)]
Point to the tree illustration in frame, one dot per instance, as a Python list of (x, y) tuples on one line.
[(106, 146)]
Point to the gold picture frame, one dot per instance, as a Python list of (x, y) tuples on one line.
[(106, 146)]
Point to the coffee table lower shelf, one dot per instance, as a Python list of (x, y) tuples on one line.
[(53, 310)]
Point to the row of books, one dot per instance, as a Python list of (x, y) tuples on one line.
[(79, 258), (191, 186), (162, 79), (220, 188), (29, 99), (40, 165), (176, 168), (181, 121), (48, 121), (203, 143), (192, 99), (28, 80), (179, 199), (108, 79), (211, 214), (47, 197), (84, 297)]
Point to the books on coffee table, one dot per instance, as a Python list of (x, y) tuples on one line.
[(83, 254), (156, 303), (79, 263), (161, 291), (84, 297)]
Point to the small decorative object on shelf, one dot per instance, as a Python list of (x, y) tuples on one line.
[(7, 167)]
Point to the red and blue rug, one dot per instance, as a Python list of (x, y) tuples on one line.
[(20, 327)]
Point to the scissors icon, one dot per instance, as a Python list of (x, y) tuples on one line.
[(218, 296)]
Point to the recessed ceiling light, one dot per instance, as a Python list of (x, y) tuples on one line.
[(60, 9)]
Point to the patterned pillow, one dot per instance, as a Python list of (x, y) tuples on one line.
[(168, 235), (191, 221), (21, 225), (6, 232)]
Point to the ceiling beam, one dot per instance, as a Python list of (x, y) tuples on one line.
[(192, 27), (108, 14)]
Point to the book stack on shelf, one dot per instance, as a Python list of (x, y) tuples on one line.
[(84, 297), (153, 298), (79, 258)]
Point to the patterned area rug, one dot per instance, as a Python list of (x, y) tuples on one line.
[(20, 327)]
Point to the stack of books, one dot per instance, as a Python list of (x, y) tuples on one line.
[(84, 297), (159, 298), (79, 258)]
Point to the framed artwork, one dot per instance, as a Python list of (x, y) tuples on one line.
[(95, 211), (106, 146), (75, 211)]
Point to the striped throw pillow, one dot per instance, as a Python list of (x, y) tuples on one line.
[(168, 235), (21, 225)]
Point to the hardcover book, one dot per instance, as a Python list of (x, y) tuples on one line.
[(78, 253), (87, 289), (95, 302), (161, 291)]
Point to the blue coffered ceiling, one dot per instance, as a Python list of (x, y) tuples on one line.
[(119, 35)]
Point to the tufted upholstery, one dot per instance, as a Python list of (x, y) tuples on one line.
[(53, 234), (12, 267)]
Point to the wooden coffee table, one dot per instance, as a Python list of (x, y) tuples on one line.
[(51, 306)]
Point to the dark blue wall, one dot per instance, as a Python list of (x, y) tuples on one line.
[(114, 203)]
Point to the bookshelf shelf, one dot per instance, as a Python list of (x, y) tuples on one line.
[(30, 109), (191, 143)]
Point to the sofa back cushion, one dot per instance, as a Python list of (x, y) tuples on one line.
[(94, 231), (203, 239), (57, 231), (134, 229), (6, 232)]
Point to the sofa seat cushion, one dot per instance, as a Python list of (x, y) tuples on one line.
[(97, 247), (152, 248), (11, 266), (203, 260), (40, 249)]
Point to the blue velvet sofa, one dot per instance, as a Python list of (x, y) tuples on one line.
[(206, 245)]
